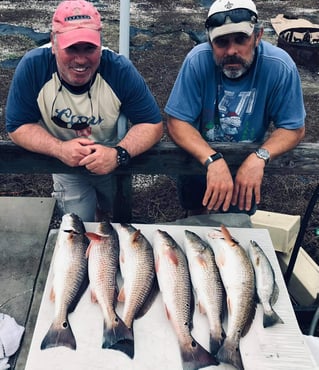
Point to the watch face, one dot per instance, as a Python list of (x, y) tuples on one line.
[(263, 154), (123, 158)]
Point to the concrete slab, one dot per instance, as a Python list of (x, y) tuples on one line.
[(24, 226)]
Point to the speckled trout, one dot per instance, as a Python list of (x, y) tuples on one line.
[(103, 256), (237, 274), (207, 285), (267, 288), (138, 272), (175, 285), (70, 280)]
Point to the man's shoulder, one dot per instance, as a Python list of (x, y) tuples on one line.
[(275, 56)]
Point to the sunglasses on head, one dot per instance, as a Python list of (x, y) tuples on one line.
[(78, 125), (235, 15)]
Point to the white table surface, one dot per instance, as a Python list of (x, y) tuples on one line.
[(279, 347)]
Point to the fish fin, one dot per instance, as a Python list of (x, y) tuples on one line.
[(171, 256), (88, 250), (228, 238), (52, 295), (93, 236), (126, 346), (216, 341), (201, 261), (121, 296), (119, 337), (194, 356), (168, 315), (136, 236), (59, 336), (202, 309), (275, 294), (271, 318), (93, 297), (149, 301), (229, 353)]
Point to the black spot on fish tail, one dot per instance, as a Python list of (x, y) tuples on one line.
[(215, 342), (229, 353), (271, 318), (58, 336), (119, 332), (126, 346), (196, 357)]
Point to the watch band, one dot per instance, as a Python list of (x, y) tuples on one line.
[(123, 157), (213, 158)]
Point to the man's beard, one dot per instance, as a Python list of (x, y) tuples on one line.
[(234, 72)]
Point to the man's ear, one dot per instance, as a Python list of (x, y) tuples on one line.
[(52, 39), (259, 36)]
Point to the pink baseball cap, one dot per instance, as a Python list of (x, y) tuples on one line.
[(76, 21)]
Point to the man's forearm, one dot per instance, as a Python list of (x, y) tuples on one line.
[(141, 137), (35, 138)]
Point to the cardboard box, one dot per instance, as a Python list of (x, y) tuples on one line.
[(283, 228), (304, 282)]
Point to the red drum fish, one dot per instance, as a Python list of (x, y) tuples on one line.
[(237, 274), (103, 257), (175, 285), (70, 280), (137, 268), (207, 284)]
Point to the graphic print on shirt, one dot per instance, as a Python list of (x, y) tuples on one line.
[(231, 121)]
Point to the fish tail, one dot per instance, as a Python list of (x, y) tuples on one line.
[(197, 357), (271, 318), (215, 342), (59, 336), (119, 338), (229, 353)]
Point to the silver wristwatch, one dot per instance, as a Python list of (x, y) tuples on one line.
[(263, 153)]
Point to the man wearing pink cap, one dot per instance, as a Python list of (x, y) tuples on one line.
[(65, 100), (230, 89)]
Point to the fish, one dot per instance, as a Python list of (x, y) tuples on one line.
[(137, 267), (266, 286), (238, 278), (175, 286), (207, 284), (103, 266), (70, 280)]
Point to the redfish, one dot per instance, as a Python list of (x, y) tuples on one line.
[(175, 285), (70, 280), (103, 256), (237, 274), (138, 271), (207, 285)]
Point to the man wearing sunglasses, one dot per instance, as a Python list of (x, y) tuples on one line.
[(65, 100), (230, 89)]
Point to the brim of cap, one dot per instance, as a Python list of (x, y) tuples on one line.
[(75, 36), (226, 29)]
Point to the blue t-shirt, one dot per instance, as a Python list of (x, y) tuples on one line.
[(223, 109), (36, 95)]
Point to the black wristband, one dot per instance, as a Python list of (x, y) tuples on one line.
[(213, 158)]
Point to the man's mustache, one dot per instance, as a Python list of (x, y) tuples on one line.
[(233, 59)]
